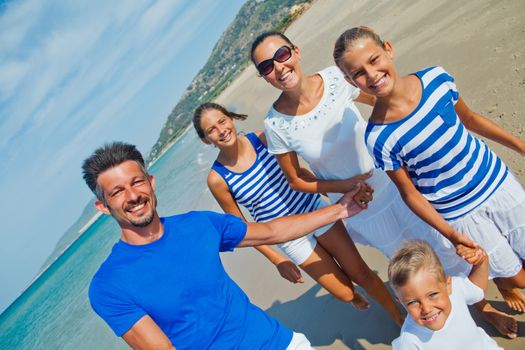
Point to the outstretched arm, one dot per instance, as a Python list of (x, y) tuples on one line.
[(223, 196), (422, 208), (287, 228), (303, 181), (486, 128), (146, 335)]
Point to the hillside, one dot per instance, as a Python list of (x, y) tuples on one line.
[(233, 47), (228, 58)]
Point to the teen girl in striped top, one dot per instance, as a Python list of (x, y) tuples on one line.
[(418, 133), (245, 173)]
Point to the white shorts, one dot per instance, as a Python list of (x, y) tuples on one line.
[(498, 226), (389, 224), (300, 249), (299, 342)]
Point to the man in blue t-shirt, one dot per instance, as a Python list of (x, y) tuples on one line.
[(163, 286)]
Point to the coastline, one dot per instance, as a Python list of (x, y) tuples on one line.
[(295, 13)]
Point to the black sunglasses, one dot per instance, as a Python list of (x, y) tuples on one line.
[(282, 54)]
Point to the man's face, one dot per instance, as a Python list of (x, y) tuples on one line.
[(129, 194)]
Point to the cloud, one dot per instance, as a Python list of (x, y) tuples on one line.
[(72, 75), (80, 73)]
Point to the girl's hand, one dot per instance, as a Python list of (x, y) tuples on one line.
[(288, 270), (364, 196), (460, 238), (349, 204), (351, 182), (473, 256)]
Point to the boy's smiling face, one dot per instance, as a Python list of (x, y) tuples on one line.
[(426, 299)]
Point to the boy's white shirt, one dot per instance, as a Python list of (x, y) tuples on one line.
[(459, 332)]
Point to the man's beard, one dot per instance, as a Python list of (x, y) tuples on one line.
[(143, 222)]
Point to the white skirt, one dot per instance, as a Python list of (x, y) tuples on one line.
[(389, 224), (498, 226), (301, 248)]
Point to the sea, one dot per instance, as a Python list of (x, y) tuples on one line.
[(54, 311)]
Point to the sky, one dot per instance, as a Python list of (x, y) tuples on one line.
[(73, 75)]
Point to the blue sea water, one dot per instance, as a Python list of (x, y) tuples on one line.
[(54, 312)]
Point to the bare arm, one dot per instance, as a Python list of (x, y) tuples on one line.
[(422, 208), (222, 194), (146, 335), (287, 228), (303, 181), (287, 269), (486, 128), (479, 275)]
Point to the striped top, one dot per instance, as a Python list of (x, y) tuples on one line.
[(263, 189), (454, 170)]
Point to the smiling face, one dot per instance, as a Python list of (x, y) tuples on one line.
[(285, 75), (426, 299), (218, 128), (369, 67), (129, 195)]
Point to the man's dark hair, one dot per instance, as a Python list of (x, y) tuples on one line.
[(106, 157)]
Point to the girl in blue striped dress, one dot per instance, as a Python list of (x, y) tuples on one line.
[(419, 134), (245, 173)]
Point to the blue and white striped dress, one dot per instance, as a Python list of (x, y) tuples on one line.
[(455, 171), (263, 188)]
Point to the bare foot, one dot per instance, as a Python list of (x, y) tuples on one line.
[(360, 302), (513, 297), (504, 324)]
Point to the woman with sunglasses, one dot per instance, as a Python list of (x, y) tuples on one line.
[(245, 173), (315, 117)]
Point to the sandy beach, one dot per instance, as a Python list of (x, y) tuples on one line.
[(481, 43)]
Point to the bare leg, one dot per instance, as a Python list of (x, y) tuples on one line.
[(509, 289), (322, 267), (339, 244), (505, 324)]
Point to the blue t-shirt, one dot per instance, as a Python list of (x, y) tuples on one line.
[(180, 282)]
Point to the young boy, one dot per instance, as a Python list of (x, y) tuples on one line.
[(436, 304)]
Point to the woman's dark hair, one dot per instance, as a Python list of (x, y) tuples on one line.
[(262, 37), (349, 37), (197, 115)]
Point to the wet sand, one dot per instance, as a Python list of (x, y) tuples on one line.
[(481, 43)]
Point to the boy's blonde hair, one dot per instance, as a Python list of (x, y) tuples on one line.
[(413, 257)]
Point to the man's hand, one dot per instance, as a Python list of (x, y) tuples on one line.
[(364, 195), (350, 206), (288, 270), (350, 183)]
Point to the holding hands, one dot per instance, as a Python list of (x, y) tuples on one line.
[(468, 250), (473, 256), (350, 183), (356, 200)]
